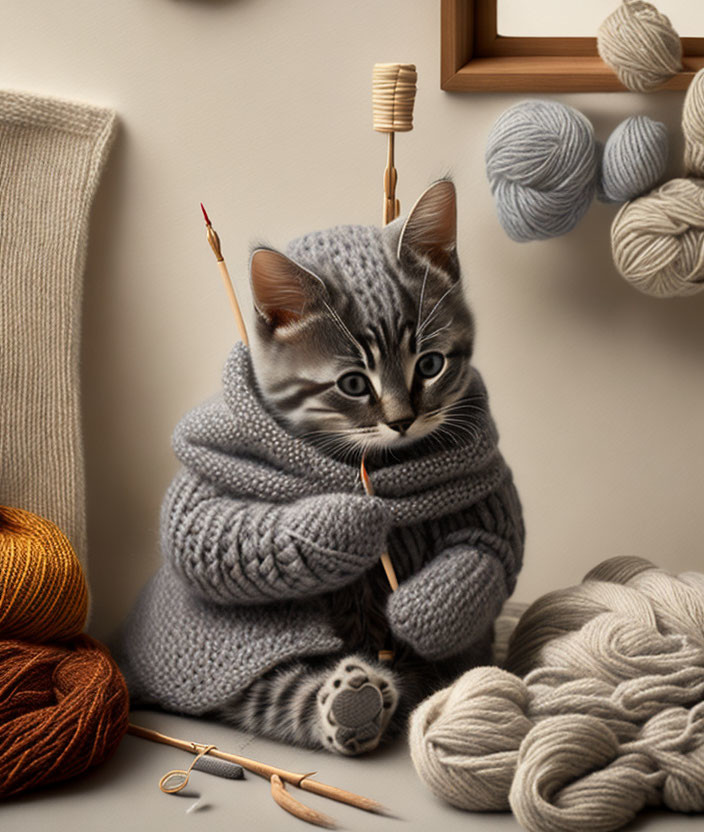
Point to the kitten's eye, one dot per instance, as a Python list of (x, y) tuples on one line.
[(354, 384), (430, 364)]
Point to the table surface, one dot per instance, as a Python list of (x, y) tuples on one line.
[(124, 793)]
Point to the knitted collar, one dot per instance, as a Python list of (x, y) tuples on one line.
[(234, 442)]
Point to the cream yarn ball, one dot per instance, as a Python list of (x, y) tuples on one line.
[(693, 127), (464, 739), (640, 45), (657, 240)]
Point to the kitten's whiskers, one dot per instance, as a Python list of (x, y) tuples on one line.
[(344, 329), (434, 310), (420, 301), (432, 335)]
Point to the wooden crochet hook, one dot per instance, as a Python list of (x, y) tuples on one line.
[(276, 776)]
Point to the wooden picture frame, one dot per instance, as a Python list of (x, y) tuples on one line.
[(475, 58)]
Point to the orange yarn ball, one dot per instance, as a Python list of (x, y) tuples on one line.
[(43, 594), (63, 709)]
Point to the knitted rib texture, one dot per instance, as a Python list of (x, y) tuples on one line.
[(259, 526), (51, 160)]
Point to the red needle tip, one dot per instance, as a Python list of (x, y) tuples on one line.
[(205, 214), (365, 478)]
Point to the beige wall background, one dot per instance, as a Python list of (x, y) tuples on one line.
[(261, 109), (555, 18)]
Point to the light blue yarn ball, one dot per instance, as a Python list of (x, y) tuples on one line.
[(634, 159), (541, 163)]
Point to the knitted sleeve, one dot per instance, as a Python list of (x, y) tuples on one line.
[(231, 550), (451, 603)]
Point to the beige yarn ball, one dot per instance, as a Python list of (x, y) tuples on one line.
[(658, 240), (640, 45), (693, 126), (464, 739)]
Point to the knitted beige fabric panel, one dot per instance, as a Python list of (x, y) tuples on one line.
[(51, 156)]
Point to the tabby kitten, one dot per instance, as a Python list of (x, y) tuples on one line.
[(362, 345)]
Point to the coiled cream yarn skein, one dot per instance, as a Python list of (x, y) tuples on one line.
[(658, 240), (608, 719), (640, 45)]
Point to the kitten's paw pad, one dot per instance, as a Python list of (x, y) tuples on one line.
[(356, 704)]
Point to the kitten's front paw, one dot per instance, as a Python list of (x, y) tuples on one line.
[(356, 704)]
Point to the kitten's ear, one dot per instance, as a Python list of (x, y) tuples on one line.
[(430, 230), (284, 293)]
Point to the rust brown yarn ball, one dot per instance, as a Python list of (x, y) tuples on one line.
[(63, 710)]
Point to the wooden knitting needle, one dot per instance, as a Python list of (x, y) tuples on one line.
[(385, 558), (392, 207), (303, 781), (214, 241)]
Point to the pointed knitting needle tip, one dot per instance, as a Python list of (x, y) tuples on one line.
[(366, 482), (214, 242)]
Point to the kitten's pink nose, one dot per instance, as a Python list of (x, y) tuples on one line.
[(401, 425)]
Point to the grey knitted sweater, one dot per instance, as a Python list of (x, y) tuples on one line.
[(259, 528)]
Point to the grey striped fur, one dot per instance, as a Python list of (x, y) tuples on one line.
[(343, 706), (369, 300), (282, 704), (359, 299)]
